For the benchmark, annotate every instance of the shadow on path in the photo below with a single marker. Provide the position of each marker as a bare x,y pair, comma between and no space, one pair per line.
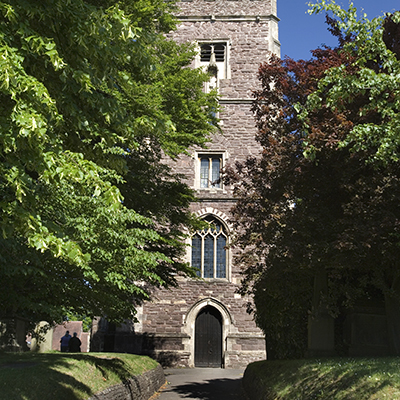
203,384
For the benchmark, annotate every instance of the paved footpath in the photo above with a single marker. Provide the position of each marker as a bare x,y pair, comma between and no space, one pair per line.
202,384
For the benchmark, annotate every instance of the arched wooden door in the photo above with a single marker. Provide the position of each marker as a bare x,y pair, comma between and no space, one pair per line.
208,338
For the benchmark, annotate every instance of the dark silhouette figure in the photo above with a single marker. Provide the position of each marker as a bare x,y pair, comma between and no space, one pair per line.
65,342
75,344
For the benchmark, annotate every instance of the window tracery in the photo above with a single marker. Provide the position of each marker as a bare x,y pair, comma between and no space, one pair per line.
209,253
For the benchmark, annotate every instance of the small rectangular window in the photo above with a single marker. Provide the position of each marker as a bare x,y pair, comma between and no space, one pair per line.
210,170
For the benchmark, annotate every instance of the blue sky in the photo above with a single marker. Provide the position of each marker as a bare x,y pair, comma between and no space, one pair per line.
300,32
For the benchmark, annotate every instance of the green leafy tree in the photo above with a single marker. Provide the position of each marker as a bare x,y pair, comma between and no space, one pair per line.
374,76
93,95
320,201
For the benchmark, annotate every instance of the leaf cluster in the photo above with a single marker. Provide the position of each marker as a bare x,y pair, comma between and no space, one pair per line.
368,85
93,95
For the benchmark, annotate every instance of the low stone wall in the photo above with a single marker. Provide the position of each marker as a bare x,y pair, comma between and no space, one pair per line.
140,387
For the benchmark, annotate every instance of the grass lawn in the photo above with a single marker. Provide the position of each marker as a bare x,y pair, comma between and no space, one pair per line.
65,376
337,378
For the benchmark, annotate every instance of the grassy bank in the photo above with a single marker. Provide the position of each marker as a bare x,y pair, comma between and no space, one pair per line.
64,376
338,379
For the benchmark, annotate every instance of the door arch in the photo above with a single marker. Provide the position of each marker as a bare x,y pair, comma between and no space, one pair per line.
208,338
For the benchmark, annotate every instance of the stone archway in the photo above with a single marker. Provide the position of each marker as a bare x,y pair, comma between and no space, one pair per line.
217,213
189,326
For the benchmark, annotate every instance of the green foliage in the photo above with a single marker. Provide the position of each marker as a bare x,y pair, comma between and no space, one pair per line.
319,197
92,96
281,297
374,74
86,321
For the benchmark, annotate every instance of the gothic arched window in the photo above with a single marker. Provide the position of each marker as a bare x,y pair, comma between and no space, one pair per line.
209,250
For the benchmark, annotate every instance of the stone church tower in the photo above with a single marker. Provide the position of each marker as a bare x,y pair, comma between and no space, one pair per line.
204,322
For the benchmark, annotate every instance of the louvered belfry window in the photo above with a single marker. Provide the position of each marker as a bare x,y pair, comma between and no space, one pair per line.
209,250
214,57
207,49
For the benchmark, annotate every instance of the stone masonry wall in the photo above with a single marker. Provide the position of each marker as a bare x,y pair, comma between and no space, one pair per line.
249,41
169,337
227,7
248,48
237,141
167,311
166,326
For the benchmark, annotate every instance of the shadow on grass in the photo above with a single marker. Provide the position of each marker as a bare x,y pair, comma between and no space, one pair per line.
50,376
105,365
345,385
342,379
213,389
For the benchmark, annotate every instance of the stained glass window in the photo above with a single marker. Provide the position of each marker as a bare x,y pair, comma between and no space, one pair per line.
209,250
196,253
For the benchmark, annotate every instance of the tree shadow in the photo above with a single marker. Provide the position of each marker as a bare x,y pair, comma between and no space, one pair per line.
212,389
105,365
333,382
41,377
322,379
